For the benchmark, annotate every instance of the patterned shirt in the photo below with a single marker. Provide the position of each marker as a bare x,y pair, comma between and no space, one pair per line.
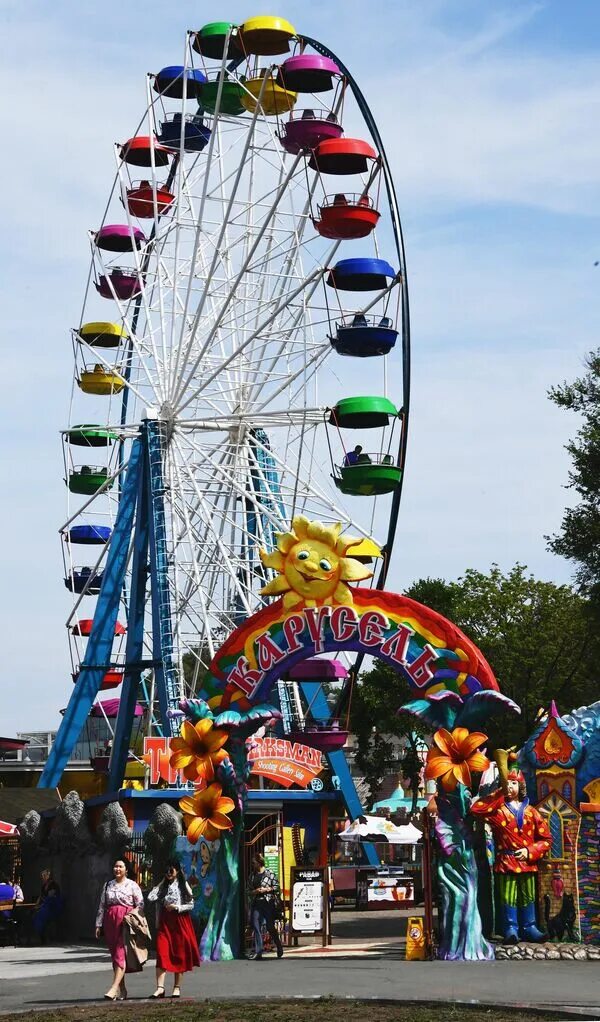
173,896
265,878
125,893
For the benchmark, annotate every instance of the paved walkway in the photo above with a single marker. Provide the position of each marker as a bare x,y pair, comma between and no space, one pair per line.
49,976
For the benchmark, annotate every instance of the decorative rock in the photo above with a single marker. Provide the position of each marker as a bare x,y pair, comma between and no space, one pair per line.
566,953
580,954
552,954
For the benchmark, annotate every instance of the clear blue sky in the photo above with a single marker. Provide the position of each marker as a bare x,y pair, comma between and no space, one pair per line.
490,113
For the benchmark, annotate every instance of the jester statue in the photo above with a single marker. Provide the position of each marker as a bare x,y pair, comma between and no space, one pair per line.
521,837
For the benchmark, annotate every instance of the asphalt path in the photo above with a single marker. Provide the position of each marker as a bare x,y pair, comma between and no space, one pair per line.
45,977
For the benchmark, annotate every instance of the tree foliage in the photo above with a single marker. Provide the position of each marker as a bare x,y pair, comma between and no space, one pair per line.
541,640
579,536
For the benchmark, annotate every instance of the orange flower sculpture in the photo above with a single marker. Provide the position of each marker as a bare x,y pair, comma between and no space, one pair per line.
204,815
454,756
198,750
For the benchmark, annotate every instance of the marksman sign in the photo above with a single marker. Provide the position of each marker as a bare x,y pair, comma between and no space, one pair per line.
284,762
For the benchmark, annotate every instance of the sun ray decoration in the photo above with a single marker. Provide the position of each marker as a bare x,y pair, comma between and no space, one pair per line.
312,569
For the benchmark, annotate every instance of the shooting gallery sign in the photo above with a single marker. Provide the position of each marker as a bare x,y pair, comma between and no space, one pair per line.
284,762
278,759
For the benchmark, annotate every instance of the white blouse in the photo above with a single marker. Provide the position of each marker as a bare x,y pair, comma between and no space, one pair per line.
173,896
127,893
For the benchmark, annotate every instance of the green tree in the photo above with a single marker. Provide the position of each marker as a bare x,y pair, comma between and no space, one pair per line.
540,639
579,537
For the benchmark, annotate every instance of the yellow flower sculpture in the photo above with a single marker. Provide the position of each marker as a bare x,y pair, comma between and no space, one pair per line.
204,815
455,756
312,567
198,750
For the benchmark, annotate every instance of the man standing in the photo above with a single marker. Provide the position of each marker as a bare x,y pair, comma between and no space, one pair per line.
521,837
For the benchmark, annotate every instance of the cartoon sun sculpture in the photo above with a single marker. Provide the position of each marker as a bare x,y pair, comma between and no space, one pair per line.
312,567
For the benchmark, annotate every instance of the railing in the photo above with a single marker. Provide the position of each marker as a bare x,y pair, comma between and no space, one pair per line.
348,199
360,320
364,459
312,114
89,470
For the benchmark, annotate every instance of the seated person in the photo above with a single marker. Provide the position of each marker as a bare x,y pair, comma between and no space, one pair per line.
352,457
7,893
49,905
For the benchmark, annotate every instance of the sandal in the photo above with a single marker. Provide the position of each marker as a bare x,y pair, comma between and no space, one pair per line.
176,992
159,992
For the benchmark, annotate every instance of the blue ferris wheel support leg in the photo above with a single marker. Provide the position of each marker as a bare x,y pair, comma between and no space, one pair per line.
99,646
166,674
338,763
135,639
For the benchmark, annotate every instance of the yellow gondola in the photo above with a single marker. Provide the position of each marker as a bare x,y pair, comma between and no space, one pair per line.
103,335
275,100
100,381
266,35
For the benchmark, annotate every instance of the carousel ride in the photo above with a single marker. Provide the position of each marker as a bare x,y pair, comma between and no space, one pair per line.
242,357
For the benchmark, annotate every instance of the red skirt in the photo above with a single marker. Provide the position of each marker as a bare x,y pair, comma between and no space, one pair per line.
176,943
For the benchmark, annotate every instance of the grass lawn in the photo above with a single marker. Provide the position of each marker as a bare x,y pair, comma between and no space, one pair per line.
322,1010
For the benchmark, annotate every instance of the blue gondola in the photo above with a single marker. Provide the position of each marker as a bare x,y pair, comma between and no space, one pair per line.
361,275
170,81
89,534
364,336
195,133
82,577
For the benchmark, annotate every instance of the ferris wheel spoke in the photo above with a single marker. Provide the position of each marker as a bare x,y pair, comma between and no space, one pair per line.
235,284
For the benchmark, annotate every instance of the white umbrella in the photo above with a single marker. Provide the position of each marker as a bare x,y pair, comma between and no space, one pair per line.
377,828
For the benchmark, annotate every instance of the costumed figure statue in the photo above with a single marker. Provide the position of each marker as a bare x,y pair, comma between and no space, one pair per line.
521,837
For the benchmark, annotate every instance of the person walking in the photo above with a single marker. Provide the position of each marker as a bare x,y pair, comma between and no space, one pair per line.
176,942
119,897
264,893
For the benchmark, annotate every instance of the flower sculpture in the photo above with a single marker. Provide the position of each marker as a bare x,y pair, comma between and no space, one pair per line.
198,750
205,814
312,567
455,756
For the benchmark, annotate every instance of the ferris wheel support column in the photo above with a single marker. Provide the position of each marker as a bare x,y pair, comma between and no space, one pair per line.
338,763
167,679
135,642
99,647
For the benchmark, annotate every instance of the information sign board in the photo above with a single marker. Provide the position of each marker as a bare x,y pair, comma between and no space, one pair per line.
309,899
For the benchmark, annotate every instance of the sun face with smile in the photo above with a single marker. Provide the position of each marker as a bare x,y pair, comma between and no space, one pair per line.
312,567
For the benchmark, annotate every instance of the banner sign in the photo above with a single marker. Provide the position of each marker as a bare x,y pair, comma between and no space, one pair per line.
285,762
280,760
427,649
157,753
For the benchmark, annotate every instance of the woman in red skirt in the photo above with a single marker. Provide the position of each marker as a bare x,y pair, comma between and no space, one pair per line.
176,941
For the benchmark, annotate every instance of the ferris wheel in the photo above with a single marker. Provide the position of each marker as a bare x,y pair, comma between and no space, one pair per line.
242,357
